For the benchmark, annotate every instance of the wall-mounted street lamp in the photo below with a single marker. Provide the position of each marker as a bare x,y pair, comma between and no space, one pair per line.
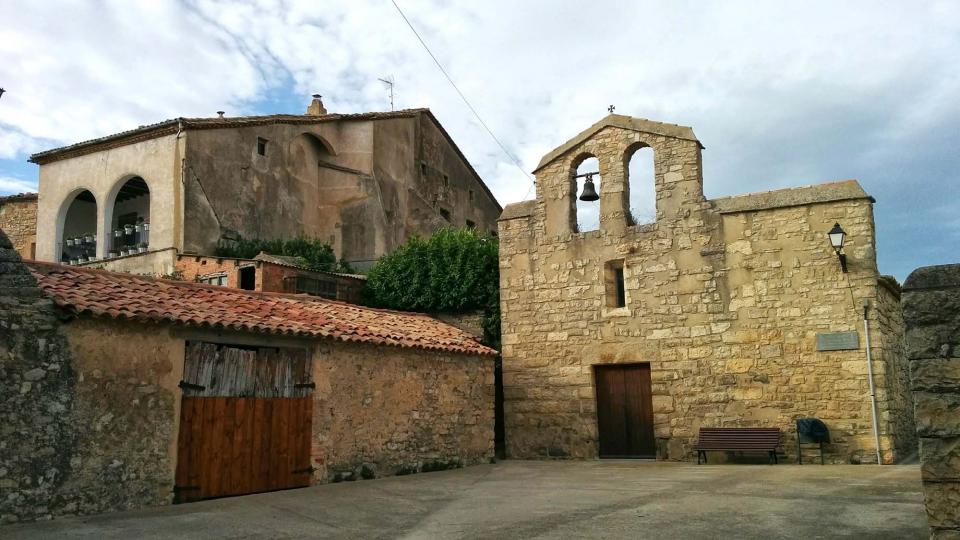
837,235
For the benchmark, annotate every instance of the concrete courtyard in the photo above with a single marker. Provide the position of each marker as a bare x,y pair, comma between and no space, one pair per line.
523,499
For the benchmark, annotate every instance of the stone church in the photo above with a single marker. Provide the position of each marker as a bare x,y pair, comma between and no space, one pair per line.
361,182
728,312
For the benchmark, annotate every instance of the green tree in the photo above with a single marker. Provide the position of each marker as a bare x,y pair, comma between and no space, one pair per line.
454,271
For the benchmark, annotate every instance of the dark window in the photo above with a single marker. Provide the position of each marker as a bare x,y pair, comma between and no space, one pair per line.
615,288
471,195
471,225
445,214
261,146
493,234
446,181
423,168
248,278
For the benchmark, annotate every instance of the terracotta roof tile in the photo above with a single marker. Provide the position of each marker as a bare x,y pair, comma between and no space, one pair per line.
126,296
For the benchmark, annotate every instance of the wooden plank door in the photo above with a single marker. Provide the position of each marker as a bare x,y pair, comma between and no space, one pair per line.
625,411
245,421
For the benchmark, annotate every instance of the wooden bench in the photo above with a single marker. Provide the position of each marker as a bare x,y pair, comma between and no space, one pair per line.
738,439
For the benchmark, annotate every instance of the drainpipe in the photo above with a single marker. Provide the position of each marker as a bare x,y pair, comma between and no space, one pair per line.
873,390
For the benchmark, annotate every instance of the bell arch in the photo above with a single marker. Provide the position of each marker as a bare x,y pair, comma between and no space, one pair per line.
585,178
639,166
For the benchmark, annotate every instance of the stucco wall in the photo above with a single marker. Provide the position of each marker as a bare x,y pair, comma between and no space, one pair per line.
18,219
931,308
724,303
103,173
397,411
126,409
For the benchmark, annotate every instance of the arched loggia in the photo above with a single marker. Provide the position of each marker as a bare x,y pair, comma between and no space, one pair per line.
129,218
77,228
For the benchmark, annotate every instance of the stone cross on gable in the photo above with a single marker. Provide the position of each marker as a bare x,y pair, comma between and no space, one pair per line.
611,108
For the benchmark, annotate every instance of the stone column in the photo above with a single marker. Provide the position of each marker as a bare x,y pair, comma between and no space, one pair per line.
931,309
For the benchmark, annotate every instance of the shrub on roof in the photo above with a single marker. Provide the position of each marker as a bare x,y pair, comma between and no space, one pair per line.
454,271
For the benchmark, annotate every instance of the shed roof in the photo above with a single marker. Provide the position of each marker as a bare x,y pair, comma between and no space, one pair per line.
84,291
18,197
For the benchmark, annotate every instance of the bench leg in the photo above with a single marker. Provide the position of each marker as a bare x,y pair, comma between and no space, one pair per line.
821,452
773,457
799,451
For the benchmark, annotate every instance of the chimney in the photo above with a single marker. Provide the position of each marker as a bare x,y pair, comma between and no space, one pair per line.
316,107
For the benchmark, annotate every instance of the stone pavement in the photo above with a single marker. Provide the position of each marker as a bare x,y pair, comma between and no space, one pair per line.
542,499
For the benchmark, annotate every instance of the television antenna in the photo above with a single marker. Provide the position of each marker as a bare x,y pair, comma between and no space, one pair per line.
389,82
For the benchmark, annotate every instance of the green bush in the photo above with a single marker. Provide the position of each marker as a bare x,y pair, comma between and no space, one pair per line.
454,271
315,254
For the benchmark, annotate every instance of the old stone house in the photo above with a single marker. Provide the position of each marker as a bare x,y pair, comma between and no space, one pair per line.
735,311
18,218
362,182
121,391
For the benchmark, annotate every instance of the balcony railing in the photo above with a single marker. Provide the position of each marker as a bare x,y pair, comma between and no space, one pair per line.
129,239
79,249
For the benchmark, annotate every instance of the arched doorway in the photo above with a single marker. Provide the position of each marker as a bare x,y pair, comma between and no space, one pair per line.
78,233
130,219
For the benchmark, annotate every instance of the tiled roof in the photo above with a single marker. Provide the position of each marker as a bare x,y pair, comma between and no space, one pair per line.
165,127
818,193
100,293
18,197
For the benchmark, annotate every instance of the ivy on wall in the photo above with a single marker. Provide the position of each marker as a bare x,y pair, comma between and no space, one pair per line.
315,254
454,271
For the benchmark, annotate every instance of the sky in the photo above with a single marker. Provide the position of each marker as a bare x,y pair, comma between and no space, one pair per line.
782,94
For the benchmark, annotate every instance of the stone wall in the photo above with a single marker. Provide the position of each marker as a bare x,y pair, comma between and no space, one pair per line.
380,411
18,219
724,298
36,397
931,308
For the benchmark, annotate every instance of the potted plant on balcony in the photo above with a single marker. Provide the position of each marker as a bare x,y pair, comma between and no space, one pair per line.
141,247
88,238
128,229
112,253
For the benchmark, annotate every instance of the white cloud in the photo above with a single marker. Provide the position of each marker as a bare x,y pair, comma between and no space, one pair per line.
16,185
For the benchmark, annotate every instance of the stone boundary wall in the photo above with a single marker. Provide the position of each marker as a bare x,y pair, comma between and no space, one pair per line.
931,310
36,397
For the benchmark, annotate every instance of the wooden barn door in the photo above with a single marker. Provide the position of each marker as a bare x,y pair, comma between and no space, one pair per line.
245,421
625,411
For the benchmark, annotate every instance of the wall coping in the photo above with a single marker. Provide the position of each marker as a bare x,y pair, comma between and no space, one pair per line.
941,276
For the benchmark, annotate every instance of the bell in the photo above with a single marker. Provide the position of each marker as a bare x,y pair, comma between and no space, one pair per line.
589,192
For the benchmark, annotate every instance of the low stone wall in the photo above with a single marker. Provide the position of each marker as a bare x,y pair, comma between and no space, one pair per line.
36,397
931,310
380,411
161,262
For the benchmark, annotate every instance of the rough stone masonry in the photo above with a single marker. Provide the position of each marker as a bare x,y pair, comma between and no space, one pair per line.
724,300
931,309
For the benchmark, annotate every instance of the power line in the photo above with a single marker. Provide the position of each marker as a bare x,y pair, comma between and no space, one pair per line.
463,97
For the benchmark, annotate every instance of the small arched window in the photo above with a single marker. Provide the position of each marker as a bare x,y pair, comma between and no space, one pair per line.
641,185
588,212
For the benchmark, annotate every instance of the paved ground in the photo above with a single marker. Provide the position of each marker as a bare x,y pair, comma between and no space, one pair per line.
521,499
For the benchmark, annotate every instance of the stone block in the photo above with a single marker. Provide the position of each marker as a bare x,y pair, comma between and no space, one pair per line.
940,459
938,415
934,341
935,374
943,504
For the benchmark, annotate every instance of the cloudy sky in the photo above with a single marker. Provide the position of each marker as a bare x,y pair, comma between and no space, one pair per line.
781,93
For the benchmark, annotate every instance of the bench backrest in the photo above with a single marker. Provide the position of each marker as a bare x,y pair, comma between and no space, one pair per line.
739,438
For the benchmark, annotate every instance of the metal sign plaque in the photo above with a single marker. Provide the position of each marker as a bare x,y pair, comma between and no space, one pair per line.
838,341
